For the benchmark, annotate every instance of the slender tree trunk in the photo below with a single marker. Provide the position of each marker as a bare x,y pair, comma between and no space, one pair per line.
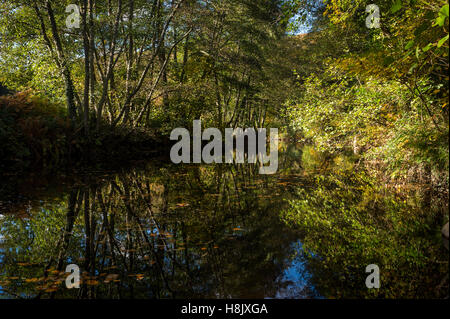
87,68
69,87
92,79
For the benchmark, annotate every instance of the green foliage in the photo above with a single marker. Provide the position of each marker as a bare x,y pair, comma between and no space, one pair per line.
381,93
335,110
415,146
349,221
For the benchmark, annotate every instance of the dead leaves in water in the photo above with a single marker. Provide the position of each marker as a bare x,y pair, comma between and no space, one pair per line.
32,280
24,264
139,277
111,278
51,289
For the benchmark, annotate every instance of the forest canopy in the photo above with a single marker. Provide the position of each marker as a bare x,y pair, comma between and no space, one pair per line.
155,65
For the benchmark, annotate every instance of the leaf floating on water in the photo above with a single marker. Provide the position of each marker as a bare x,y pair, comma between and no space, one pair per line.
139,277
111,267
24,264
51,289
111,277
32,280
283,183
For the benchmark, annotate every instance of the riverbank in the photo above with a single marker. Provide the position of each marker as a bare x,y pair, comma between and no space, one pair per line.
35,133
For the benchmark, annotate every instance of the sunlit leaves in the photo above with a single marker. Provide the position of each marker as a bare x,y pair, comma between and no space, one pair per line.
443,15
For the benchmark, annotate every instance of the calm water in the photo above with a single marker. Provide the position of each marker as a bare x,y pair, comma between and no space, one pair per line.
158,230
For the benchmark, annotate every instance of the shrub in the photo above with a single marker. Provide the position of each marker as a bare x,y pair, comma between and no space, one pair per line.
31,129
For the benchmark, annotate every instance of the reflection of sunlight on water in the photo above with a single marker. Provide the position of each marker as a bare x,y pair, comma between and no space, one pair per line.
295,280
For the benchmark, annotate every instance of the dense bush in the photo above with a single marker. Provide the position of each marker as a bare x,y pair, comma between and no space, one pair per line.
382,93
31,129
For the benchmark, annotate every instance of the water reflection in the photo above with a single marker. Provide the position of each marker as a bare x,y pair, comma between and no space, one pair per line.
160,230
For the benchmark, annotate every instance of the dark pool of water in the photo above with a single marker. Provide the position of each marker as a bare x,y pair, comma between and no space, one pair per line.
159,230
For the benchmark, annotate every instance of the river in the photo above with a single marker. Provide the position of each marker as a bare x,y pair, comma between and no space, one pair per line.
153,229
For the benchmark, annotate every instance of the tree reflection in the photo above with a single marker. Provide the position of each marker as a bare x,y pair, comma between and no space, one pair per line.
158,232
349,221
224,231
